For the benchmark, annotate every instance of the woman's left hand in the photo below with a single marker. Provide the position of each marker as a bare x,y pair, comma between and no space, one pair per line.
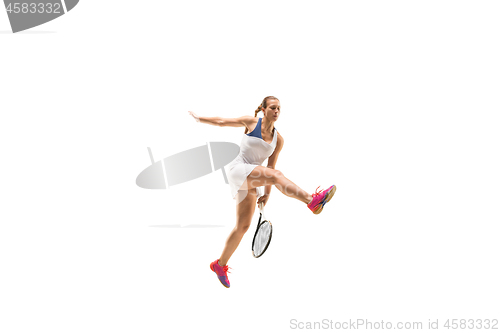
195,116
263,199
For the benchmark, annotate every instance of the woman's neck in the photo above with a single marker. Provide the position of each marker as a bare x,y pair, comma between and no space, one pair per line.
267,126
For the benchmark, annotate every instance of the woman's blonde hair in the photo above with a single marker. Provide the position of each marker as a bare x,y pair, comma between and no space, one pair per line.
263,105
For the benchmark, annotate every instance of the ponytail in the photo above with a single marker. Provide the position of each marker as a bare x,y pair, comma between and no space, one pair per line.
258,109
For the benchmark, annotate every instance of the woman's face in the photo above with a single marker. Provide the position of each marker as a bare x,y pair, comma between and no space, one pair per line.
273,109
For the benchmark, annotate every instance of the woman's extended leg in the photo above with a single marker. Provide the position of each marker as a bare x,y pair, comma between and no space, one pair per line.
261,176
244,213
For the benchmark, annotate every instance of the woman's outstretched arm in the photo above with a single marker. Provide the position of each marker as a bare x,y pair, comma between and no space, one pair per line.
243,121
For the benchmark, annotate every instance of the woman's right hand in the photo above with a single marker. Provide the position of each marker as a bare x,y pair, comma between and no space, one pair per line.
194,116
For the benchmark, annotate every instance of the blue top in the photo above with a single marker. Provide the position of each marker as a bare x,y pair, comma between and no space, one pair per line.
257,130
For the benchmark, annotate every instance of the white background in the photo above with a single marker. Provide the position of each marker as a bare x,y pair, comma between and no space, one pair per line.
395,102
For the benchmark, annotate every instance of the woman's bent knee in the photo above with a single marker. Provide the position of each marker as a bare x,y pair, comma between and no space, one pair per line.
276,175
242,228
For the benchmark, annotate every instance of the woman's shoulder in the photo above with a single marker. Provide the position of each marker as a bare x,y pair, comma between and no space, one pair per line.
280,139
250,122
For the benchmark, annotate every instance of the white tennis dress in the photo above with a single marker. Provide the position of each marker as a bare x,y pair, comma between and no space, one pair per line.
253,151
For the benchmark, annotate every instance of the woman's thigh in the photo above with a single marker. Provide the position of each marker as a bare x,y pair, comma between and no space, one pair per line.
260,176
245,208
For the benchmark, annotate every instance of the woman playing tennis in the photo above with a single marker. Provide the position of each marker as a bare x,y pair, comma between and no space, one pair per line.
246,173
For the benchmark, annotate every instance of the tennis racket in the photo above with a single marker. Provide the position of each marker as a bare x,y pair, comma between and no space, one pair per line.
263,234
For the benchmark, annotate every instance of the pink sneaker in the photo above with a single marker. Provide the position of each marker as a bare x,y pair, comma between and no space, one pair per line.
321,198
221,272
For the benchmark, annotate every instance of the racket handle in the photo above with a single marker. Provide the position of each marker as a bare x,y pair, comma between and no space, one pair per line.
261,207
261,204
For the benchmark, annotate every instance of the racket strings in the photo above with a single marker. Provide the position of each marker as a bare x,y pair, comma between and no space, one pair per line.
262,239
